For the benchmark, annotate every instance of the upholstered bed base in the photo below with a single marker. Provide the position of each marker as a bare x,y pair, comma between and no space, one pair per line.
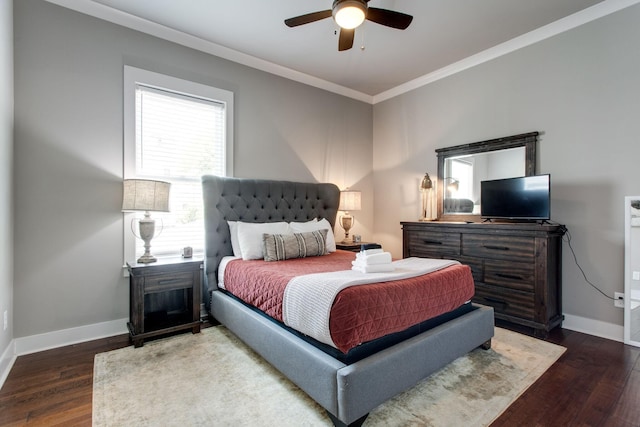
350,392
347,392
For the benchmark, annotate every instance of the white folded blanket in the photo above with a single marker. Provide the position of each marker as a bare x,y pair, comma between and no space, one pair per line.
374,268
377,258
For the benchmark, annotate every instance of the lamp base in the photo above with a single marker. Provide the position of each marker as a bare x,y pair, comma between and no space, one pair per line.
147,259
346,222
147,228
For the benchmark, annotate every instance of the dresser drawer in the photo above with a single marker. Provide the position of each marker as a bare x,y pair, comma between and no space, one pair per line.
161,283
499,247
434,244
510,274
505,301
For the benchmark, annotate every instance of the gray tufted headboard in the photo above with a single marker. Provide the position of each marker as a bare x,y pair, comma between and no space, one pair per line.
255,200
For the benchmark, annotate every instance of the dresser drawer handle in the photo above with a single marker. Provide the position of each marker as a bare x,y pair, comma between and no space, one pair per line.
497,248
432,242
169,281
509,276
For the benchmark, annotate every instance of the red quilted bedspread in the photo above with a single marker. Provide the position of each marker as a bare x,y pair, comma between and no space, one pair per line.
359,313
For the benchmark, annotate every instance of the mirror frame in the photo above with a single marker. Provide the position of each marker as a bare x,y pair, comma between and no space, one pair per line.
526,140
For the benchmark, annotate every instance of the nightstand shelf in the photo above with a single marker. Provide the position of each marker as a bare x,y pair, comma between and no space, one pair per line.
151,289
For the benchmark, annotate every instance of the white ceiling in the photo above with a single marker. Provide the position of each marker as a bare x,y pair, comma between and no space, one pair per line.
445,35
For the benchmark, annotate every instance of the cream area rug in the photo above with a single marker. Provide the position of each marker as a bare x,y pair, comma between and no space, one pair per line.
213,379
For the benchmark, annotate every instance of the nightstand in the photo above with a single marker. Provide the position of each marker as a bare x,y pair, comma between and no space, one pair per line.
348,246
164,297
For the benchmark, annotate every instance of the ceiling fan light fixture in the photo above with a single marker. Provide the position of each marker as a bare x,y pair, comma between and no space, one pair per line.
349,14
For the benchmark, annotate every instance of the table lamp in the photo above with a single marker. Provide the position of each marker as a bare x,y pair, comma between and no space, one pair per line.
145,195
349,201
426,195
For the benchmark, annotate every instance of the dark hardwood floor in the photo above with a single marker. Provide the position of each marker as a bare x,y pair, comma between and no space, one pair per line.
595,383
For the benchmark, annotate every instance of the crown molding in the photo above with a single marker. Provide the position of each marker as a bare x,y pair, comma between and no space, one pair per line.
106,13
100,11
585,16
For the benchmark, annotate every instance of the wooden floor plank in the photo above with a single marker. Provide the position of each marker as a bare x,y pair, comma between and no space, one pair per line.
53,387
627,406
595,383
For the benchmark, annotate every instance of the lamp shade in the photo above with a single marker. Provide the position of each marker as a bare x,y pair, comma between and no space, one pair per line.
454,185
350,200
426,183
145,195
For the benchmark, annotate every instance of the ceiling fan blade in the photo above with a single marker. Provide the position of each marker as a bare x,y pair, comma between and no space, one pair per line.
308,18
345,41
389,18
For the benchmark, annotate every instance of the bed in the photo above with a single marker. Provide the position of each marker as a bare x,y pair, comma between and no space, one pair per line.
347,389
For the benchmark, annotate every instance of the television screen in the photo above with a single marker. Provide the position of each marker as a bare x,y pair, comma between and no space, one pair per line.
525,198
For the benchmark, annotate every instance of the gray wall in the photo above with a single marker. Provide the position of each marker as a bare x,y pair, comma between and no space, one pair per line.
6,146
68,153
581,90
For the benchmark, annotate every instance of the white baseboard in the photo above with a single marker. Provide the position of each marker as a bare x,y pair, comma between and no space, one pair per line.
6,362
35,343
55,339
597,328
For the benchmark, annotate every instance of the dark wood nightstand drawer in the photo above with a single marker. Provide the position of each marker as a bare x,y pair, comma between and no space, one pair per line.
434,244
499,247
508,302
509,274
164,282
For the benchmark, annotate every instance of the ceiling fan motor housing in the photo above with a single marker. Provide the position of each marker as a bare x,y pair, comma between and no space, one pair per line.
349,14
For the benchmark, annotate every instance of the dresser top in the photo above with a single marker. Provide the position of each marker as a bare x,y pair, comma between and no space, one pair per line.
486,227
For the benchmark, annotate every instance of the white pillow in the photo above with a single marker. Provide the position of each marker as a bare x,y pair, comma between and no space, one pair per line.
313,221
323,224
233,230
250,237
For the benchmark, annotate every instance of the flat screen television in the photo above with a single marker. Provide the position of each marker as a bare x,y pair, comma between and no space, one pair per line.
526,198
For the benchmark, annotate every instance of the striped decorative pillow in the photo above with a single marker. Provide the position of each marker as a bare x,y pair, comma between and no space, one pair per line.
278,247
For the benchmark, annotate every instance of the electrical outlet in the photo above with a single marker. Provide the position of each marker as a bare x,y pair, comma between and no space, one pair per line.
6,320
618,299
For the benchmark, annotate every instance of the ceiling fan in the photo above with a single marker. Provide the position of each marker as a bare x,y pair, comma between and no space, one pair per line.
349,14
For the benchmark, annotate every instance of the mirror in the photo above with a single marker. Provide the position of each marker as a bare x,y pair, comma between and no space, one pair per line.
463,167
632,271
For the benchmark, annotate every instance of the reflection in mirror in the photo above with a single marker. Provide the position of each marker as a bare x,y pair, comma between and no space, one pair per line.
464,173
462,168
632,271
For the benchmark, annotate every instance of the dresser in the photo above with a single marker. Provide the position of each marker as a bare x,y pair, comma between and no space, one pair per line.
517,267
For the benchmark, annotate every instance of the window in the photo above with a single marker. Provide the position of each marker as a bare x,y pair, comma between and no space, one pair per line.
175,131
462,171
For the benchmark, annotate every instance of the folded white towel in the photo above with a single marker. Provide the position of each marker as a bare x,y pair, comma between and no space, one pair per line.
370,252
376,268
378,258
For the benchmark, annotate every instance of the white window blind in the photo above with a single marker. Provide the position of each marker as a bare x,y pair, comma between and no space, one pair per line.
179,138
175,131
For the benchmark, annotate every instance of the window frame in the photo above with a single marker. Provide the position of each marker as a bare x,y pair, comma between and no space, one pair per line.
134,76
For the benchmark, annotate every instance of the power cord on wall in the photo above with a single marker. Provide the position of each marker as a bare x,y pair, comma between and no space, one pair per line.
575,258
